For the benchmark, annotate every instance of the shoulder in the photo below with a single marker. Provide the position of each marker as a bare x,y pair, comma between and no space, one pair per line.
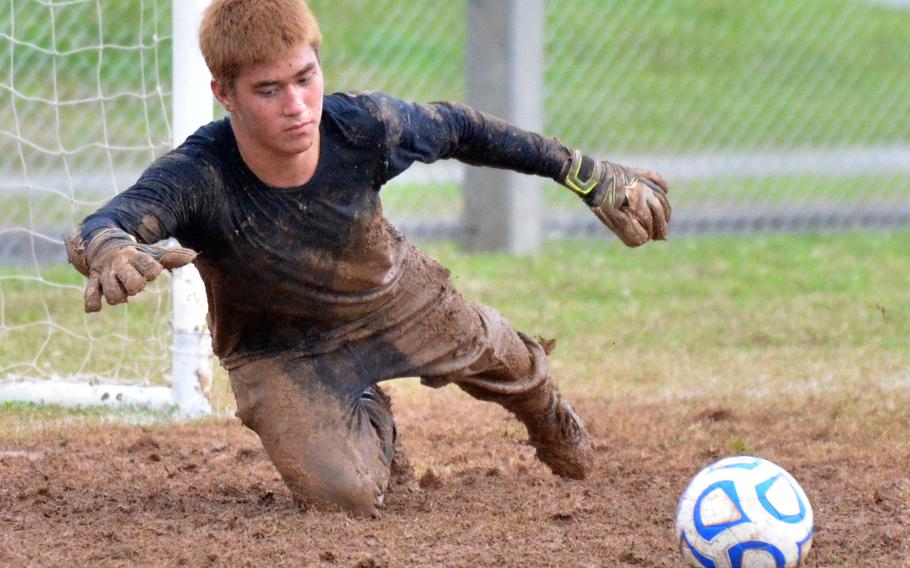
195,159
356,103
361,116
203,147
210,139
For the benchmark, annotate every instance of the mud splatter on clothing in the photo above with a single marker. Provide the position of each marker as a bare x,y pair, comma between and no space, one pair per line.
314,296
307,268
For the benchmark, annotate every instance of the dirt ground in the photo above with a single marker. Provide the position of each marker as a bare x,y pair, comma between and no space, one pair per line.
205,494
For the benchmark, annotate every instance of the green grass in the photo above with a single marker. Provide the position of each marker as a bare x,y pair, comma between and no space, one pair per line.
44,331
708,314
621,76
20,422
686,318
677,74
413,49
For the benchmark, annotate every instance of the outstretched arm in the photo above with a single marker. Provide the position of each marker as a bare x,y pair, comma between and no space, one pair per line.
632,203
117,266
113,246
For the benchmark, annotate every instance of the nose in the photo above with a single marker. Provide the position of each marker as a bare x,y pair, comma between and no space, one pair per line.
294,104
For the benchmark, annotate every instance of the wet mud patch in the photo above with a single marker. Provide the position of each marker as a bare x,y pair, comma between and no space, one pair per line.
205,494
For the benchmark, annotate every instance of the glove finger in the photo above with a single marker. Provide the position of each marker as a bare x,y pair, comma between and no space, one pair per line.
147,266
653,178
665,204
660,219
131,280
634,234
171,258
110,285
657,190
93,293
640,209
624,226
604,219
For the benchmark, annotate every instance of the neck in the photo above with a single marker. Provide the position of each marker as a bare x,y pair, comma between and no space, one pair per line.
278,169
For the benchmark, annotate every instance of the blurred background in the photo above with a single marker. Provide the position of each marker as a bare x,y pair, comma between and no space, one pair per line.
780,115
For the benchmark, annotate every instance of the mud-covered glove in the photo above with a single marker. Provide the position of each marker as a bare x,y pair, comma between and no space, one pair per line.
630,202
117,266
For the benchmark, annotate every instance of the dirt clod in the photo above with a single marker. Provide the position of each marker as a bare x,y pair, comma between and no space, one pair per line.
429,479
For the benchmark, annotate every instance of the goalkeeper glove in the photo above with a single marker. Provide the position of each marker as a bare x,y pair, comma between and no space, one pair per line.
117,266
630,202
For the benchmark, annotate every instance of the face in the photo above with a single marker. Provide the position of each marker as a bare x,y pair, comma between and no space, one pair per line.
276,107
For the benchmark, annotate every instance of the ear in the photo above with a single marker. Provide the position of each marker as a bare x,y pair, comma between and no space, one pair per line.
223,94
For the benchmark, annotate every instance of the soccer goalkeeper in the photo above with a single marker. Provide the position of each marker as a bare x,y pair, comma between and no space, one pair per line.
314,297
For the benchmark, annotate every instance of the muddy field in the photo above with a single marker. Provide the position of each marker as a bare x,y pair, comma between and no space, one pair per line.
204,494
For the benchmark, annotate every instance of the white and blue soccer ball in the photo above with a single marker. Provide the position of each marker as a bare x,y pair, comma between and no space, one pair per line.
744,512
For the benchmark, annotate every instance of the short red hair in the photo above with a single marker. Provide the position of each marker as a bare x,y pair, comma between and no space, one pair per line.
235,33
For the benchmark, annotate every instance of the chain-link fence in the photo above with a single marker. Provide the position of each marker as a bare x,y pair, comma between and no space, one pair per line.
786,114
782,114
789,114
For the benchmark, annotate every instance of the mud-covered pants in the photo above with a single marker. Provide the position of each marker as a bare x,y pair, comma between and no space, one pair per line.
331,433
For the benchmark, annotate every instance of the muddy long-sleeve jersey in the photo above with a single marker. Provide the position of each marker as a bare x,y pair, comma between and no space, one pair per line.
307,268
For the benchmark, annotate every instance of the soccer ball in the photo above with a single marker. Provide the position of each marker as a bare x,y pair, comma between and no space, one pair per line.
744,512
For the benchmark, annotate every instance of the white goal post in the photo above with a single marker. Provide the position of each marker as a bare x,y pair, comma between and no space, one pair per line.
30,343
192,358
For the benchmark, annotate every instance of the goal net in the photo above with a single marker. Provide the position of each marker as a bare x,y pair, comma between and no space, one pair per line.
87,99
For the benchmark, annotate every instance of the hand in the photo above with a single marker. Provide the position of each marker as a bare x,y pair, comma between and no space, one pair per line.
117,267
633,205
630,202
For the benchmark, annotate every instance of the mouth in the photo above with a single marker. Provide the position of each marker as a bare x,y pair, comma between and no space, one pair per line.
299,127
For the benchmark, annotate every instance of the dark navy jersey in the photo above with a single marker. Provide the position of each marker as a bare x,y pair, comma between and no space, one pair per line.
309,267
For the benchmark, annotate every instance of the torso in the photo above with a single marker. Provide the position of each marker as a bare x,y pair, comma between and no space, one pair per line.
303,268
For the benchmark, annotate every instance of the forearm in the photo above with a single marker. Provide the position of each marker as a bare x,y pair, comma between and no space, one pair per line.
133,214
485,140
138,216
116,263
166,198
630,202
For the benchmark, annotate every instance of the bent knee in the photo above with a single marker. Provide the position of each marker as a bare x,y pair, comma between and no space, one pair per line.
359,495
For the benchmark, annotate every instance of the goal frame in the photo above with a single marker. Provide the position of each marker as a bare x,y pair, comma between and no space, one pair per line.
192,360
